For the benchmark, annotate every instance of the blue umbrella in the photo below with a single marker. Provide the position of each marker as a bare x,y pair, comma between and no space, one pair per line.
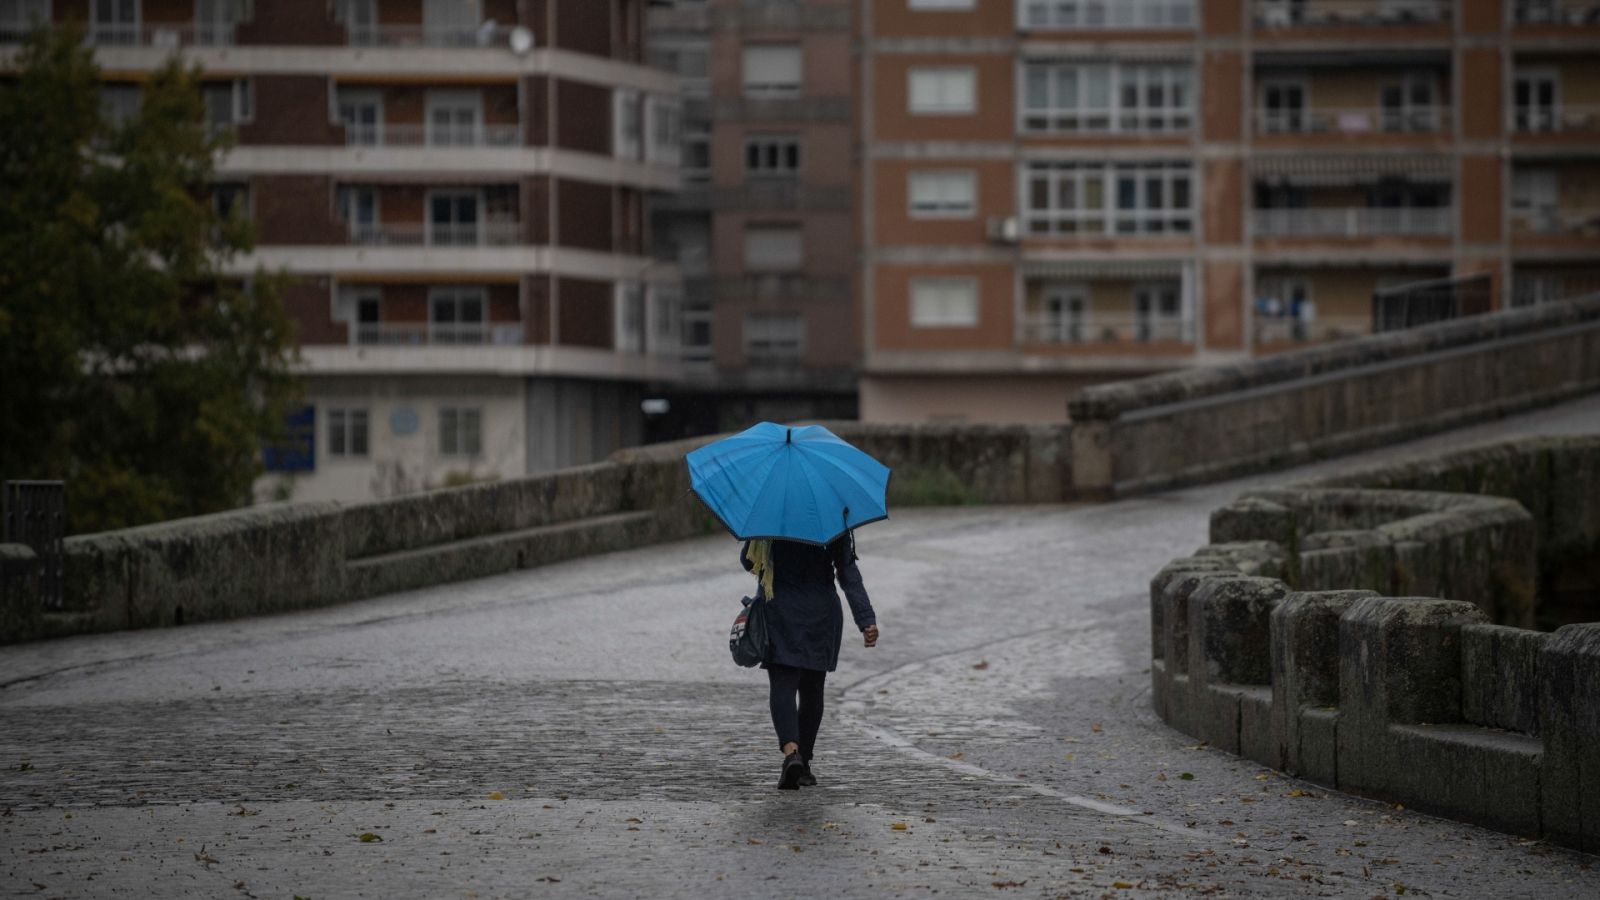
795,484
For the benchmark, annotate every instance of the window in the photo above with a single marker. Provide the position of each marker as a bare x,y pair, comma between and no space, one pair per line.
772,156
114,21
1536,101
455,118
368,305
460,431
358,209
453,218
1535,198
1073,97
1410,104
941,4
361,114
1098,198
1283,107
666,314
942,91
455,316
942,194
214,20
774,337
771,248
1158,311
666,131
347,432
1106,13
944,303
119,102
451,23
629,318
227,103
1063,315
772,70
360,19
17,18
625,121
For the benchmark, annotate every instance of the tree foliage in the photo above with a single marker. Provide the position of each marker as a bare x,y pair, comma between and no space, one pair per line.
130,365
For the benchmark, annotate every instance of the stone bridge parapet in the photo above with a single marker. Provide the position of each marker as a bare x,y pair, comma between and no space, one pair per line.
1379,639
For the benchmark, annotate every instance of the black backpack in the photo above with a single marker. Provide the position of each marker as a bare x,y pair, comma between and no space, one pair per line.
748,640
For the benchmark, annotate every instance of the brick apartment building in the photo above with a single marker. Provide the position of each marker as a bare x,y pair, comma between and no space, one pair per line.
459,187
764,230
1063,191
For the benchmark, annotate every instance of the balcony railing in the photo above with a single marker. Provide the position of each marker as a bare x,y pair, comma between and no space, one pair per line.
1556,12
432,136
1557,221
454,234
1292,330
1546,120
485,35
1044,328
1370,120
1275,14
417,334
166,35
1355,222
1105,14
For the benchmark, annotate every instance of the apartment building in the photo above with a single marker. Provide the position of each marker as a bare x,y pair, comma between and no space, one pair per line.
459,188
1057,192
764,229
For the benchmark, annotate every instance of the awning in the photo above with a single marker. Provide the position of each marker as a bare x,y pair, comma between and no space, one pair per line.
1107,269
1355,169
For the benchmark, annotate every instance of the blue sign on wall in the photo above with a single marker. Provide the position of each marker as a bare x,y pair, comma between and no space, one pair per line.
297,451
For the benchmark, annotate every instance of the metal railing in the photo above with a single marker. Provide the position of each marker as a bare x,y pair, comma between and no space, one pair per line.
1353,222
1531,288
1105,14
454,234
1288,329
1276,14
417,334
485,35
1370,120
1557,221
149,34
35,514
1093,328
1556,12
1541,120
500,135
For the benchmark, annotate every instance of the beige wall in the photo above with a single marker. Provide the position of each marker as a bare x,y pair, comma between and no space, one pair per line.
996,399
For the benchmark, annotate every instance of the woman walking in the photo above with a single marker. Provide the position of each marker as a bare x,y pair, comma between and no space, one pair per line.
805,626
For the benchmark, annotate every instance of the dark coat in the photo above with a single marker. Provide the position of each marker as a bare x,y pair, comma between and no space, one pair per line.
804,621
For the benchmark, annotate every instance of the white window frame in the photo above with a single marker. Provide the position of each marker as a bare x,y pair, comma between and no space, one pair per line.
355,98
1173,220
347,209
1149,321
942,105
452,29
764,341
479,222
1107,14
924,317
764,90
751,229
1078,114
14,29
349,301
455,295
450,99
1533,118
453,421
940,5
663,124
627,125
780,141
125,33
241,100
630,317
339,422
936,200
663,317
1410,116
1284,120
215,21
1064,316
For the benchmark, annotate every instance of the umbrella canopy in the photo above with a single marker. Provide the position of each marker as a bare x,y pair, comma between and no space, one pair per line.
795,484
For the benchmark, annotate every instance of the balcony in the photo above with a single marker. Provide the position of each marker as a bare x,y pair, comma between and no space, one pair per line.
1564,120
367,135
455,234
1271,15
161,35
1557,222
1103,15
1056,329
486,35
1289,330
1556,12
1353,122
1354,222
417,334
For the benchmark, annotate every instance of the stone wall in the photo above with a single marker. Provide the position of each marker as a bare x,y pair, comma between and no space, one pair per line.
1207,424
294,556
1365,638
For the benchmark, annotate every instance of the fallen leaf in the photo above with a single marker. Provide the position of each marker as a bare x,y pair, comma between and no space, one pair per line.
981,665
1123,885
634,821
496,795
1187,776
1095,728
958,754
368,837
1009,884
898,826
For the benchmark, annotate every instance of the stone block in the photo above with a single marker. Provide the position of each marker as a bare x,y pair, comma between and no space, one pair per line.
1230,632
1465,772
1399,664
1500,677
1346,560
1255,726
1569,727
1253,519
1304,642
1316,749
20,604
1264,558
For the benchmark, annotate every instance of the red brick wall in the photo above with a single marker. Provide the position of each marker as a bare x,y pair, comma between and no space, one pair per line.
302,22
583,114
584,316
307,302
584,26
295,209
291,109
584,215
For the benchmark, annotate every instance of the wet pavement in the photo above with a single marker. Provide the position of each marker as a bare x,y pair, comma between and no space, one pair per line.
580,730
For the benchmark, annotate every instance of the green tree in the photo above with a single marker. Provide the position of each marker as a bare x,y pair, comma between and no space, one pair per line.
130,364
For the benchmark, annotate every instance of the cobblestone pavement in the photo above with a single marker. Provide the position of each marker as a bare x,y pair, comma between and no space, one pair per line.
578,730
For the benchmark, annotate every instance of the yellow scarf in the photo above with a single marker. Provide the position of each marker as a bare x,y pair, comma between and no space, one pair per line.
760,555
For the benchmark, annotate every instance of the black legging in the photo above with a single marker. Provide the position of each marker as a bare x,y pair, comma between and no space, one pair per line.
799,726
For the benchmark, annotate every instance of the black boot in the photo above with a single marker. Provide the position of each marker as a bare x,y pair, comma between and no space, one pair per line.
793,768
806,778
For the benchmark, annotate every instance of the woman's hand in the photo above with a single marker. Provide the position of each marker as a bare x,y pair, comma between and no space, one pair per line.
870,635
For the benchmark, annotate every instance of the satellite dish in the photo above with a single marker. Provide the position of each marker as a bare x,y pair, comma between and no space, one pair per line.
521,39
